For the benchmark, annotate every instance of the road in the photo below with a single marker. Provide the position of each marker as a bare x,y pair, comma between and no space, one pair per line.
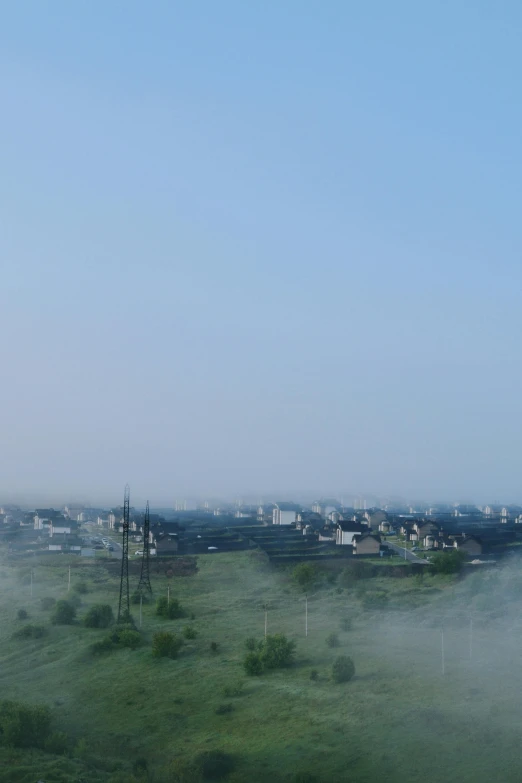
406,553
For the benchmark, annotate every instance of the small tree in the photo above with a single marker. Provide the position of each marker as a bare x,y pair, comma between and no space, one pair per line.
305,575
22,614
277,651
24,725
30,632
214,647
253,664
166,645
171,610
252,644
63,613
189,632
343,669
99,616
447,562
81,588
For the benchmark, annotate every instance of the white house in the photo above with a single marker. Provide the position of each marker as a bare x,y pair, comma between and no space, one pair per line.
285,514
347,532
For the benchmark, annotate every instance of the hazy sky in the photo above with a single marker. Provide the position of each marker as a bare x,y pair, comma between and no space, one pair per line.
261,246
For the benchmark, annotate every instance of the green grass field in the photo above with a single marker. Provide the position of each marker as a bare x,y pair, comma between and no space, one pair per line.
399,719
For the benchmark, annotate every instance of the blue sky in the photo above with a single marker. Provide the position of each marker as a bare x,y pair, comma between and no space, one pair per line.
260,247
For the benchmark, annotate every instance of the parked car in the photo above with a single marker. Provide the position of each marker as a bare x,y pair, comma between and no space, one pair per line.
139,553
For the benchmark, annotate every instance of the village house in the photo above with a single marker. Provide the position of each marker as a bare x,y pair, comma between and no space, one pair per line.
43,517
62,526
347,531
375,517
367,544
285,513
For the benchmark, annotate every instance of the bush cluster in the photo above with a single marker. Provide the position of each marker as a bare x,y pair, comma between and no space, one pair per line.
343,669
171,610
120,636
24,725
274,652
63,613
447,562
99,616
304,574
166,645
189,632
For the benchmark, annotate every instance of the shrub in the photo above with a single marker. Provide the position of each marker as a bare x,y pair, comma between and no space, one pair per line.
304,574
24,725
447,562
215,764
354,572
332,640
343,669
214,647
314,675
129,638
104,645
253,664
99,616
57,743
277,651
189,632
81,588
252,644
30,632
47,603
63,613
346,624
237,689
170,610
166,645
22,614
223,709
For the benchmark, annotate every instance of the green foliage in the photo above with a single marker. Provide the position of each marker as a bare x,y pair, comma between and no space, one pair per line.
170,610
223,709
24,725
166,645
30,632
75,600
105,645
304,777
343,669
355,571
304,574
277,651
314,675
253,664
128,638
99,616
181,771
63,613
447,562
274,652
57,742
22,614
214,647
346,623
235,690
332,640
140,766
215,764
189,632
47,603
374,599
81,588
252,644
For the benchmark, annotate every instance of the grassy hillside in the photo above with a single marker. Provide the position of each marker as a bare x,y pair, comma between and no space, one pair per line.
400,719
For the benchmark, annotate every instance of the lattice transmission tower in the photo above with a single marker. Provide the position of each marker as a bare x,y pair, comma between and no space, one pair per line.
124,603
144,583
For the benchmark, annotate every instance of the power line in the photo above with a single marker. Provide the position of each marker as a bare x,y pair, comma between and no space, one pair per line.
124,602
144,583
